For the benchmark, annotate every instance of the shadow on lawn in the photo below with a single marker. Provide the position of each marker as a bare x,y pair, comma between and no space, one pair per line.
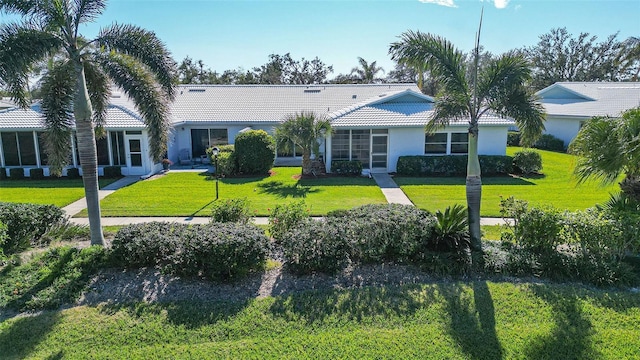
22,335
571,335
282,190
487,180
472,323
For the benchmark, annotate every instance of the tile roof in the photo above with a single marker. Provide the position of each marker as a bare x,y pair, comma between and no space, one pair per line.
270,103
587,99
6,103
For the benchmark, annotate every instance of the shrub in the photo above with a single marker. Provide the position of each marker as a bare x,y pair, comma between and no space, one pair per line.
27,223
36,174
16,173
4,237
316,246
73,173
231,210
549,142
112,171
451,230
513,138
255,152
3,173
219,251
451,165
533,228
227,164
527,161
344,167
285,217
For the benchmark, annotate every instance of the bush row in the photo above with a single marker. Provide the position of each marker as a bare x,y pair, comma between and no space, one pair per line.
38,173
545,142
252,154
27,223
345,167
217,251
451,165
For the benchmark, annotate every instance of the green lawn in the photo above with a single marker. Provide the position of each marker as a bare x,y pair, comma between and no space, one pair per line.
192,194
556,187
458,320
59,192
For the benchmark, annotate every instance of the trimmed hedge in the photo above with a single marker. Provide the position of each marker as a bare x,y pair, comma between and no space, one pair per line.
73,173
527,162
451,165
217,251
36,174
513,138
549,142
345,167
227,162
16,173
255,152
3,173
27,223
112,171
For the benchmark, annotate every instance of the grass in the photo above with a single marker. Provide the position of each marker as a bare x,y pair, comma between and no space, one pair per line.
556,187
491,232
59,192
192,194
456,320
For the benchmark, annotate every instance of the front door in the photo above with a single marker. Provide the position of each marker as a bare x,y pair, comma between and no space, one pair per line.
135,155
379,150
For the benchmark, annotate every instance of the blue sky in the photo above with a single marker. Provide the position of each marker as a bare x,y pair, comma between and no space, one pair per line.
231,34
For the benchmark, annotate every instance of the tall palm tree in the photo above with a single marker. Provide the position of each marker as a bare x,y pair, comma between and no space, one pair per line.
366,73
76,86
498,87
608,147
304,129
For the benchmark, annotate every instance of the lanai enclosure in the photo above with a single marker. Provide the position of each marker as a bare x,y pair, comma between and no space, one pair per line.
374,124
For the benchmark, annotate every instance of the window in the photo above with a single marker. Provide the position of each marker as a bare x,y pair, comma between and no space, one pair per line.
19,148
435,143
102,147
446,143
201,139
10,149
360,146
340,145
356,145
44,157
459,143
117,148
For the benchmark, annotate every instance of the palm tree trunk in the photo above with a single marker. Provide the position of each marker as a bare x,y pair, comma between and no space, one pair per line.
306,162
474,192
88,155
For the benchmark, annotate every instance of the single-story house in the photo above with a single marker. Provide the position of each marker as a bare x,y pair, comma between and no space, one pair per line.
569,104
372,123
6,103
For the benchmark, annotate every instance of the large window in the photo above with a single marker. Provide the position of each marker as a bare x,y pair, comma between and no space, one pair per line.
446,143
356,145
201,139
360,146
117,148
340,145
44,158
19,148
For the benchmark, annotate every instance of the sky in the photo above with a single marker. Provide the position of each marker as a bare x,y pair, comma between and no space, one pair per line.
228,34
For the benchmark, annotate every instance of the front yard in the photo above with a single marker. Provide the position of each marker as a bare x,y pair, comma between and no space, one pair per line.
556,187
59,192
193,194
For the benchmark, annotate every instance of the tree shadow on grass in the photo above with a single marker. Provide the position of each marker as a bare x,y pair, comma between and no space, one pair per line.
233,180
282,190
486,180
20,336
472,322
571,336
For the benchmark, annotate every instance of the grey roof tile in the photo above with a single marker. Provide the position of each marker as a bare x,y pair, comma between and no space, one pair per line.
609,98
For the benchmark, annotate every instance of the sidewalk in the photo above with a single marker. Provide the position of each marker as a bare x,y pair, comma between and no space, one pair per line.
390,189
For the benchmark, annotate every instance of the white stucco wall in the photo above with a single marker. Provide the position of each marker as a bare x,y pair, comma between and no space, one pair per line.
404,141
492,140
565,128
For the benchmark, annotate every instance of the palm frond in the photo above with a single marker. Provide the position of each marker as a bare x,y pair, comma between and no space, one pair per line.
22,46
87,10
629,133
99,91
144,46
140,85
449,106
21,7
58,91
598,148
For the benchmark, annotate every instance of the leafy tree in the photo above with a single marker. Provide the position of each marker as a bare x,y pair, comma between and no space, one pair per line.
366,73
283,69
304,129
559,56
629,59
76,86
608,147
496,87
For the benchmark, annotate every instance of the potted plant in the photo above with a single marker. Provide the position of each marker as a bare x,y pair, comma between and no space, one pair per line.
166,163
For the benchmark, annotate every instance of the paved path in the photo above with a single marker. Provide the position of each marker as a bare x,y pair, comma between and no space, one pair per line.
390,189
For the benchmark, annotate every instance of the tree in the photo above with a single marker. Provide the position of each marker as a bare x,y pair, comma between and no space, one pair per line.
283,69
629,59
366,73
559,56
76,86
304,129
609,147
497,87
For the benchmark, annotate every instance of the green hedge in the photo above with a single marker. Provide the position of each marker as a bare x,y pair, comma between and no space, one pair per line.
451,165
549,142
255,152
3,173
227,162
73,173
16,173
27,223
345,167
36,174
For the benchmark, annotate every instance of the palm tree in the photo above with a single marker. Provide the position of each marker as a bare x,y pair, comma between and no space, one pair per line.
498,87
76,86
304,130
609,147
366,73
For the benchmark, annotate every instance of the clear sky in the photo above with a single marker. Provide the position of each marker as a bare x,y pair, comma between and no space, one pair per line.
240,33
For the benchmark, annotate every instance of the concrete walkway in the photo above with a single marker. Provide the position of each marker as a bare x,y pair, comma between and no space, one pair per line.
390,189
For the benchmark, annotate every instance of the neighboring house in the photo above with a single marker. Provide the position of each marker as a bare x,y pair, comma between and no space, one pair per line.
372,123
569,104
6,103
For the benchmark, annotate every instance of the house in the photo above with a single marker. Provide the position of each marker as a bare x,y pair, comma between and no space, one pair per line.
569,104
6,103
372,123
